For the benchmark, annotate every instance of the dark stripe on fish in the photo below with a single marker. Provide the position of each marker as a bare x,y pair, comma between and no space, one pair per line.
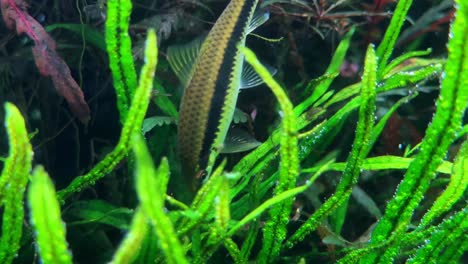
223,80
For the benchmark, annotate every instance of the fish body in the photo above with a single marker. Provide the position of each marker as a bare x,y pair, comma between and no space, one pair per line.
210,96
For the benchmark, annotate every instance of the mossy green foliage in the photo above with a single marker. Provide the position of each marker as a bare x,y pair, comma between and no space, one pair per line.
248,213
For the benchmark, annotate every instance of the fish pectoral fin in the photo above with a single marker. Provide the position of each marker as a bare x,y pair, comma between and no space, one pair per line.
238,140
182,58
150,122
259,18
240,116
250,78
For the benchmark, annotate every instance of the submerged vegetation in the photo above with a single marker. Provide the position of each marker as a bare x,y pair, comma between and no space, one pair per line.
341,176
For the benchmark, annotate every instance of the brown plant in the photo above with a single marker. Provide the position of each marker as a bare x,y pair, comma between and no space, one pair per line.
48,62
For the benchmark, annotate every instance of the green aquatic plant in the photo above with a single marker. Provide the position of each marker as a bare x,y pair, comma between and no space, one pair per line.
440,134
132,125
249,213
13,181
275,228
119,49
152,200
45,217
357,155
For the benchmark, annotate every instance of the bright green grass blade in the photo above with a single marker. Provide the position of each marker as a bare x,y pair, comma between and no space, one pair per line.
454,251
275,227
379,127
358,153
332,71
162,100
277,199
337,219
451,105
203,203
386,162
99,212
13,182
149,250
385,49
119,48
130,246
222,211
253,163
455,189
402,58
450,233
149,183
233,250
132,124
18,162
222,218
46,219
401,79
91,35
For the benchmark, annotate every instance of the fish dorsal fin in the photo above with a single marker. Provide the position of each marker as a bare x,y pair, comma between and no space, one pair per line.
182,58
260,16
250,78
238,140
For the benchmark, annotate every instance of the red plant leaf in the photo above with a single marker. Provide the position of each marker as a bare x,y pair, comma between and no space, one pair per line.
47,60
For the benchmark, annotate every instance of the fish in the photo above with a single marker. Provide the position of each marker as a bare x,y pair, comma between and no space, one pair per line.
212,69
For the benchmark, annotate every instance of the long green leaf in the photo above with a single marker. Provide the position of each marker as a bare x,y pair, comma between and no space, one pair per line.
13,182
358,153
330,74
46,221
451,104
451,232
383,163
130,247
149,183
384,51
132,124
90,34
455,189
119,49
275,227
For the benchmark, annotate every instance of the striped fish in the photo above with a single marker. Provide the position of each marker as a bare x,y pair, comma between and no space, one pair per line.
212,84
